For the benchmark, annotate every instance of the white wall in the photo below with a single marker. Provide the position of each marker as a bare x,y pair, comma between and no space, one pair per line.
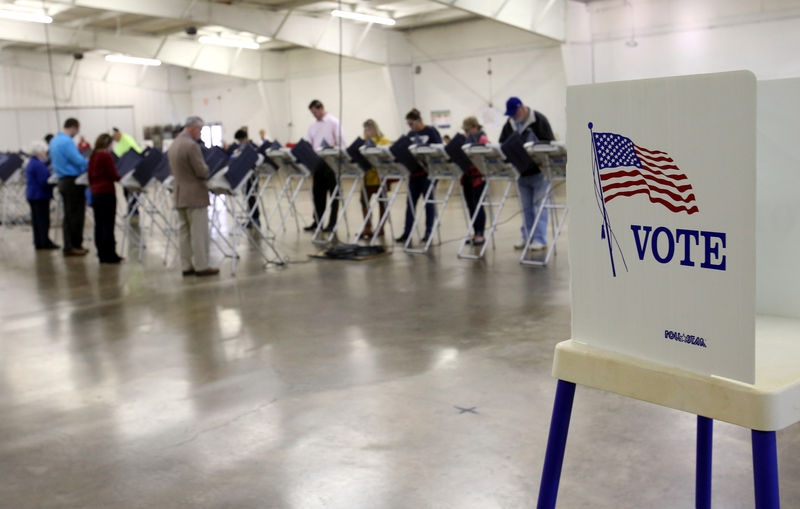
157,95
681,37
453,75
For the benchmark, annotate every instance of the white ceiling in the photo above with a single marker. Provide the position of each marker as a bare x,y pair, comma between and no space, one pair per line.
408,14
157,28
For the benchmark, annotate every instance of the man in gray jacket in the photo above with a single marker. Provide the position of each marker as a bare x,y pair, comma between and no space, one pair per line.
191,199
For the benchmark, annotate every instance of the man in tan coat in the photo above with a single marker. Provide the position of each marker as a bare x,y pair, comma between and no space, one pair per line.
191,199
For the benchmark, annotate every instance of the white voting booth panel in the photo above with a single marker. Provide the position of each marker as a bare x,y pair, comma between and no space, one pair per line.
778,208
662,237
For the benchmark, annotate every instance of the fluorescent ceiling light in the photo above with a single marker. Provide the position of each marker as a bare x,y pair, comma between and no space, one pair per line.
125,59
369,18
230,43
25,16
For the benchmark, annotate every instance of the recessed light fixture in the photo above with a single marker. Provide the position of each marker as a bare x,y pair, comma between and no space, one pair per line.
368,18
125,59
25,16
230,43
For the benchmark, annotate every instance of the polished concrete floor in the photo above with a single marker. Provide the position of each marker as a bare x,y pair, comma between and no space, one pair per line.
400,382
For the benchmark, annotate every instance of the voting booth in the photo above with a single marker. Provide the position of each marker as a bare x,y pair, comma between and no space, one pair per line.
669,303
389,170
349,176
440,168
295,174
13,206
231,185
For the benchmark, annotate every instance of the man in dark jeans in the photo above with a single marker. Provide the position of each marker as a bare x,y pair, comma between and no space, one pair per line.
68,164
326,130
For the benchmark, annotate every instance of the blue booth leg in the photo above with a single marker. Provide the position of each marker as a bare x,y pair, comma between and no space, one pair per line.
556,442
705,435
765,470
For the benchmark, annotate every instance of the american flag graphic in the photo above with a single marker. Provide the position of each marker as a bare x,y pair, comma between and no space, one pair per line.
627,169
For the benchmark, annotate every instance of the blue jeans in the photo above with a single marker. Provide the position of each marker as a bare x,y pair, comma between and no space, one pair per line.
531,193
418,186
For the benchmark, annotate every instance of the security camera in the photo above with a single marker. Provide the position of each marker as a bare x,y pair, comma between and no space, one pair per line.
191,30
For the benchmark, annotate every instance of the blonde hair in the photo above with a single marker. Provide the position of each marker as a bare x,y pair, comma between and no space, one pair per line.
371,124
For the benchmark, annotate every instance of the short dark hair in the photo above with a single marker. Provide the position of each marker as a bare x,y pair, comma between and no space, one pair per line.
115,129
414,114
240,134
316,104
71,122
48,137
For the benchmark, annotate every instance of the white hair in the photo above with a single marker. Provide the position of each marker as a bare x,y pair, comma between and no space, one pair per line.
194,122
37,147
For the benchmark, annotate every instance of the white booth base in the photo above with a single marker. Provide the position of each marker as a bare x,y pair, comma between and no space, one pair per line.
771,404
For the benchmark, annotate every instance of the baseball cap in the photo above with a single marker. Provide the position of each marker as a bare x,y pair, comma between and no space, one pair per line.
511,106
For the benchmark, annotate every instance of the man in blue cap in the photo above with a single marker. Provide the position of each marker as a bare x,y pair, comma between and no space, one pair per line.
531,126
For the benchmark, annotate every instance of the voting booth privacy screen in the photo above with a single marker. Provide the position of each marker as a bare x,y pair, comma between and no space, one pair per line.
778,208
662,191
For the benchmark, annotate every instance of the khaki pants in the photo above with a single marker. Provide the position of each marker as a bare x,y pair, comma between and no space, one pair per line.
193,237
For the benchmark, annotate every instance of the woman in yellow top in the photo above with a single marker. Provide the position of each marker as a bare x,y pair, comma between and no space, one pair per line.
372,181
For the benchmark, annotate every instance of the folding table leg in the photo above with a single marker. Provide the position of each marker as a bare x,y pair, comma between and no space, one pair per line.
556,443
765,470
705,435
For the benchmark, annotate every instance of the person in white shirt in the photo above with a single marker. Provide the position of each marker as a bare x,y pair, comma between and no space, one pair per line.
325,131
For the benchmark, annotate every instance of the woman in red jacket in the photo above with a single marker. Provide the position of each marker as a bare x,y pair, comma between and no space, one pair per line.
102,175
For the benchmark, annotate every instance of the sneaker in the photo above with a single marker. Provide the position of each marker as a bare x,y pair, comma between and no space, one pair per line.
478,241
537,246
207,272
519,245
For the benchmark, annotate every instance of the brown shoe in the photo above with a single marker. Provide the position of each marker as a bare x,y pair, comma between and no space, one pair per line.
75,252
207,272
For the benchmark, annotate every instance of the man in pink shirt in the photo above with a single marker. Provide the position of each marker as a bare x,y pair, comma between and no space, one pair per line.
325,131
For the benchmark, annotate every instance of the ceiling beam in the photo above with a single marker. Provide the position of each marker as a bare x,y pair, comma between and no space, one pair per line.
546,18
381,46
88,20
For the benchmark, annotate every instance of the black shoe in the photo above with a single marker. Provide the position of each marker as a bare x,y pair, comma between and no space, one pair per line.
425,238
112,261
328,229
48,247
310,228
401,239
189,272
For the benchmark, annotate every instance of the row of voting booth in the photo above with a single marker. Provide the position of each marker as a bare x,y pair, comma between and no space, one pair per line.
445,165
269,178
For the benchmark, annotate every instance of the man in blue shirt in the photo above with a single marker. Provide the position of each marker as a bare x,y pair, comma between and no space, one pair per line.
68,164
